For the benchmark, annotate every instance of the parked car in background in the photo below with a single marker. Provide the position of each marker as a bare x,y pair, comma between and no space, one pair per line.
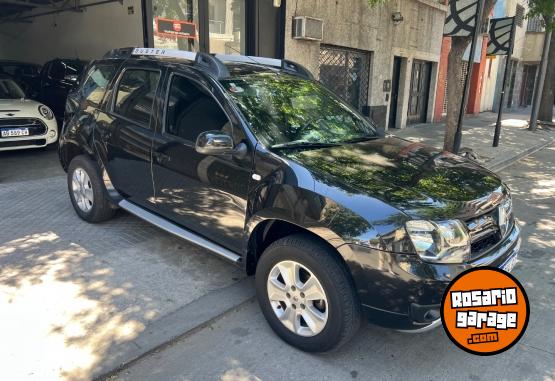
24,123
27,75
254,160
57,78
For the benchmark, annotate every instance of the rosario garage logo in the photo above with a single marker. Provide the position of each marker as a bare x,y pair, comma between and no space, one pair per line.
485,311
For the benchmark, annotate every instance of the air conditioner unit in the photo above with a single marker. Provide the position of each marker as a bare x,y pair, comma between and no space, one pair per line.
308,28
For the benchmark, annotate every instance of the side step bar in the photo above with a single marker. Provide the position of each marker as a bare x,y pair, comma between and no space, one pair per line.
179,231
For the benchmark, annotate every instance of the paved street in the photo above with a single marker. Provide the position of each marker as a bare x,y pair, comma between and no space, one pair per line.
241,346
78,300
72,293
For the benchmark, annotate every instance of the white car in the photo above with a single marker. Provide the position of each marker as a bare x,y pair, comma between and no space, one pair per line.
24,123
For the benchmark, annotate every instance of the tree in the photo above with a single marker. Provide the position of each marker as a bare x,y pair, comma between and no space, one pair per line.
546,10
455,88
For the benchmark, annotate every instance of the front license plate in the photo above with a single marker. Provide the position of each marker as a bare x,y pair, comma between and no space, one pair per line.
510,263
15,132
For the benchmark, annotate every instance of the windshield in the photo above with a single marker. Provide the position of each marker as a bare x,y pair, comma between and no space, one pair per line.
73,67
10,90
286,110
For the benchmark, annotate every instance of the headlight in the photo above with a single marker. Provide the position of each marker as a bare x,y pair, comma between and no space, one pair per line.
440,242
46,112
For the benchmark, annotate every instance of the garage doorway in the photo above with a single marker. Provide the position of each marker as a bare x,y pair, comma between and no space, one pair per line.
419,91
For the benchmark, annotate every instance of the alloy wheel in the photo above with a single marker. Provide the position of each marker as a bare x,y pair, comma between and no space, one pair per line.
82,189
297,298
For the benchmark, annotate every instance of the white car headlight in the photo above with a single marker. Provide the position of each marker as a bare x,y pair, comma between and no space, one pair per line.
440,242
46,112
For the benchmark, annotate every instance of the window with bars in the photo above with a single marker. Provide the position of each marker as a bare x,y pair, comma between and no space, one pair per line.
519,15
346,72
535,24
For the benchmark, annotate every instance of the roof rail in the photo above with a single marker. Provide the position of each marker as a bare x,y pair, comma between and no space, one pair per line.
202,60
118,53
212,63
286,65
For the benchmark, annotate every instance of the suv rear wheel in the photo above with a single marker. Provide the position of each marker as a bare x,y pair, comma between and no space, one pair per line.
87,192
306,294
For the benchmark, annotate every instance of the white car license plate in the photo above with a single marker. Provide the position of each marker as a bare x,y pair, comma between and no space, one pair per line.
15,132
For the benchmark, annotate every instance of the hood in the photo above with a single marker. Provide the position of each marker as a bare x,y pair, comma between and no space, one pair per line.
421,181
18,107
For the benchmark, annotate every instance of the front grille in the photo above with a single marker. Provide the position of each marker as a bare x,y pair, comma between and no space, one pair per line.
21,143
485,232
35,126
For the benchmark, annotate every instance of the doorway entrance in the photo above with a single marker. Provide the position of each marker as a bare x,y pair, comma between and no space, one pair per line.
419,91
394,92
528,82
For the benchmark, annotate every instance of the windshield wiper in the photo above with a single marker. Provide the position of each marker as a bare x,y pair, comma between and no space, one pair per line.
361,139
299,144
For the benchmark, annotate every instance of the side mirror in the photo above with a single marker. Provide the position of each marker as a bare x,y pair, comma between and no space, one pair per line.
214,143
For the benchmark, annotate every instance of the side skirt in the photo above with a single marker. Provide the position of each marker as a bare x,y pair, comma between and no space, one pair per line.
179,231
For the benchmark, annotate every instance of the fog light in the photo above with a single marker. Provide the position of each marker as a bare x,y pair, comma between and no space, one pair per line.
51,134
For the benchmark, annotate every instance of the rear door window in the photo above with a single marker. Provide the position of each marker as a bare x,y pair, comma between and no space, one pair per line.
135,95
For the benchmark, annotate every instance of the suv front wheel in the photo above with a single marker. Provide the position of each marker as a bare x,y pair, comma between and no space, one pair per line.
306,294
87,191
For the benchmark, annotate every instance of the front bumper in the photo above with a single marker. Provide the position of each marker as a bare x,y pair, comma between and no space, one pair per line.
33,141
403,292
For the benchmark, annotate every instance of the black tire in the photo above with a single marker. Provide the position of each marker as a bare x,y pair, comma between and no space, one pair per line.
102,208
344,310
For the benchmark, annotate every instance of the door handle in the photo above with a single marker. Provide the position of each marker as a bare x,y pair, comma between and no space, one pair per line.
162,157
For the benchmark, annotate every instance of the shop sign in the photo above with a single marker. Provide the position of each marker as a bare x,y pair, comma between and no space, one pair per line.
175,28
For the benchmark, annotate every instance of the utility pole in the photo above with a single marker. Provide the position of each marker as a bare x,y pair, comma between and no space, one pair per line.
538,88
466,89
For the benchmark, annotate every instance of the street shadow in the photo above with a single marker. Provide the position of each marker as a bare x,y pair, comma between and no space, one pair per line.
72,292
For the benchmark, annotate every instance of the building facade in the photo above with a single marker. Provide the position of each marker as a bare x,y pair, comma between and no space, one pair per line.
383,59
488,71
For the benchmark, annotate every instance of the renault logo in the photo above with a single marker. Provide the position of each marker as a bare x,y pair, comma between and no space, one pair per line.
491,201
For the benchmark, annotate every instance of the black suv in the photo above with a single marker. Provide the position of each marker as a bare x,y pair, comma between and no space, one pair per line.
57,78
257,162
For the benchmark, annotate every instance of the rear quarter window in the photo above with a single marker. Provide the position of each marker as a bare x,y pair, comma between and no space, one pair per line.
96,82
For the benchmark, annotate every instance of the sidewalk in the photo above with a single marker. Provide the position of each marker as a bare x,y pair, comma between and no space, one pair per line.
516,141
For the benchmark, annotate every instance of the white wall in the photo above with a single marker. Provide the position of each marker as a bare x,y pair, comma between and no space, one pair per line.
86,35
533,47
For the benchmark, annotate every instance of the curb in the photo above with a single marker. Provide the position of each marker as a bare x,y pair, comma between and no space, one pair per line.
174,326
499,166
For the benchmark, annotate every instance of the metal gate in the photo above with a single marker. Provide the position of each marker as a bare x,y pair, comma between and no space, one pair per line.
346,72
419,91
